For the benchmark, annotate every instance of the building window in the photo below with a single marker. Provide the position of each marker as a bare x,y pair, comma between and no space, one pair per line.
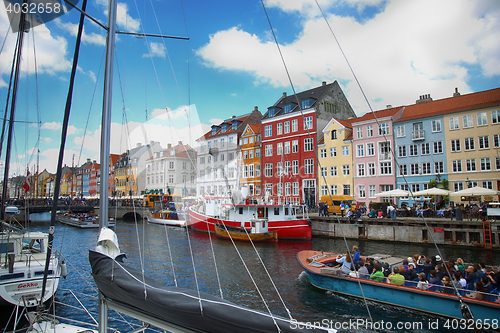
257,170
457,165
295,188
439,167
469,143
288,169
334,134
250,155
269,188
170,165
171,179
269,170
470,164
454,123
495,117
360,150
257,152
279,128
308,123
370,149
269,150
455,145
415,187
426,148
279,148
403,170
496,140
333,171
346,171
488,184
413,150
458,186
333,152
324,171
414,169
402,151
426,168
245,154
371,169
484,142
485,164
385,168
467,121
324,190
322,153
347,189
361,170
359,133
497,162
295,167
333,189
345,150
383,129
436,125
268,130
361,191
482,119
245,171
438,147
295,125
400,131
287,127
250,171
309,166
288,190
308,144
369,131
372,191
295,146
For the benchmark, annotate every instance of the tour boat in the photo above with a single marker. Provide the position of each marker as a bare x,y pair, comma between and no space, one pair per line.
83,221
168,217
290,221
258,233
430,301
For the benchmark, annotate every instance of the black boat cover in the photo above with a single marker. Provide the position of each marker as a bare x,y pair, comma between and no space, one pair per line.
180,306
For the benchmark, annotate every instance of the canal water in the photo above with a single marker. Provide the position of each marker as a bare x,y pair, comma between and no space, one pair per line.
149,243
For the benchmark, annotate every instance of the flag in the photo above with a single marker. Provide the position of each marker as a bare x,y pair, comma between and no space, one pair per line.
26,185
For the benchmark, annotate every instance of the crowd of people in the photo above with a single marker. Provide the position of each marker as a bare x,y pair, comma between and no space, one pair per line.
472,280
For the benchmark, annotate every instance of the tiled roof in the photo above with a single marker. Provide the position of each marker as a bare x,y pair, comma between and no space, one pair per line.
380,114
180,151
228,130
466,102
345,123
255,127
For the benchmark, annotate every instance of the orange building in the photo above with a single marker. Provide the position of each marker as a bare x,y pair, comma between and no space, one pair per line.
250,152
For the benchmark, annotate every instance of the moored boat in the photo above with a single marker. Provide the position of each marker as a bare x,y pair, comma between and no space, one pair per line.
407,296
168,217
83,221
258,233
289,221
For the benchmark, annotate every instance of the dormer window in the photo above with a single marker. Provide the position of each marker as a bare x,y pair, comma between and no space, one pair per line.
306,103
225,126
215,129
289,107
235,125
334,134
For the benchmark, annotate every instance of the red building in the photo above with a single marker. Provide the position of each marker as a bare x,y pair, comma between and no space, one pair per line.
94,180
290,133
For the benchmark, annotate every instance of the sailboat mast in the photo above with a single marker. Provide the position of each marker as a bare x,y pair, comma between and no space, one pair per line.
20,38
106,115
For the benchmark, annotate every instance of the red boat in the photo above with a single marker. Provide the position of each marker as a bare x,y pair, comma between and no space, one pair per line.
290,221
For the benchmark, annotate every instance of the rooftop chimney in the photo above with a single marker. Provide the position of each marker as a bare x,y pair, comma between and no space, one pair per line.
256,108
284,94
180,143
389,106
139,145
424,98
323,83
169,146
456,93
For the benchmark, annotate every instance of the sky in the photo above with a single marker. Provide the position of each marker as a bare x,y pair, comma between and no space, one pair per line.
168,90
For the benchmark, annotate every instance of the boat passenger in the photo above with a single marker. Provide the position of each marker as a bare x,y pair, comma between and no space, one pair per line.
405,264
427,267
356,256
471,277
460,265
488,286
435,279
396,277
480,291
440,272
447,286
494,276
369,264
422,282
377,274
363,271
346,262
420,263
411,275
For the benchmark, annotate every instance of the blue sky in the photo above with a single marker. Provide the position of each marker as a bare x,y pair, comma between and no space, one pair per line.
399,50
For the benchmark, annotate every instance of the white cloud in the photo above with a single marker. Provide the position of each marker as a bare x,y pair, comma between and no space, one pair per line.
156,50
93,38
397,55
123,19
215,121
90,74
55,126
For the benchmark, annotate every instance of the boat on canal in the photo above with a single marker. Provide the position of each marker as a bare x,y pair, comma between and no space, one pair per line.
288,220
258,233
430,301
168,217
82,220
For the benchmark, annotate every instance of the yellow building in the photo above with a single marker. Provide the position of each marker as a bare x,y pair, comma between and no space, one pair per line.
335,159
250,144
473,145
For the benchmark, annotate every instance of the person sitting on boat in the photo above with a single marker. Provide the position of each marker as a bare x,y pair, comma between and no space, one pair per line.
363,270
411,275
480,292
461,266
369,264
456,280
346,262
427,267
435,279
396,277
422,282
420,263
460,278
488,286
470,277
448,289
377,274
440,272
